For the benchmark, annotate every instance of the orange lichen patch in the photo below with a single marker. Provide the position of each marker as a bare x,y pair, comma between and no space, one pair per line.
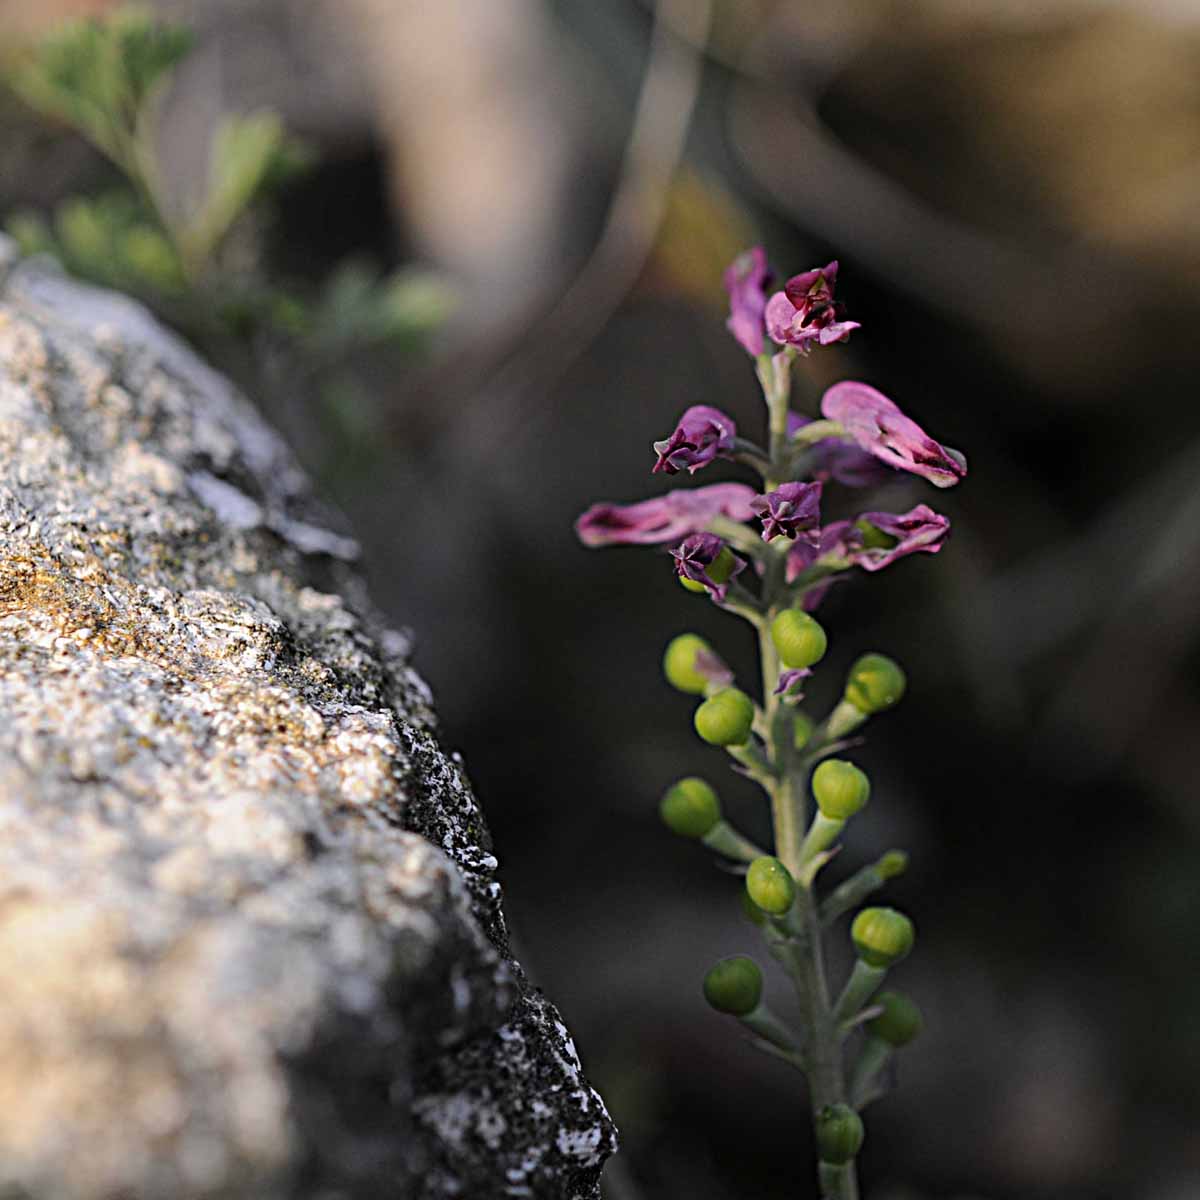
80,608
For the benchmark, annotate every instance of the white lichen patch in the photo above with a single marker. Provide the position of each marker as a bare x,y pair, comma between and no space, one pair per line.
581,1143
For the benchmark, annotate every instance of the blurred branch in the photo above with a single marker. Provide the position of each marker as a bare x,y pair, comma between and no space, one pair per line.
1065,295
652,155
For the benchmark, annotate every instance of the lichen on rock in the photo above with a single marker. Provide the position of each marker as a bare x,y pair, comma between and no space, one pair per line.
250,928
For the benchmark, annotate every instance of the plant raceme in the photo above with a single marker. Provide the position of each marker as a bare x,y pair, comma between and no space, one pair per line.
765,554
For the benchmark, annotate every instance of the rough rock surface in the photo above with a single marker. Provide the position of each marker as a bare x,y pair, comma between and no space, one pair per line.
250,934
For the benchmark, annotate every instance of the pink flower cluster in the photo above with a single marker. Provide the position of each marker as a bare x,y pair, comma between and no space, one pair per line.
868,435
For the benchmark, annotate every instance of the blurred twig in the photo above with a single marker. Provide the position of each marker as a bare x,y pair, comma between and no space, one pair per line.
784,143
512,384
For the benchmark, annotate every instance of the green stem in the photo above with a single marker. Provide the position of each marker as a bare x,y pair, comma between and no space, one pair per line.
797,945
863,983
738,535
821,835
872,1060
838,1181
826,1070
724,839
853,891
775,375
770,1028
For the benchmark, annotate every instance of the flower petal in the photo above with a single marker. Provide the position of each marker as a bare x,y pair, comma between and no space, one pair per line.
664,518
880,428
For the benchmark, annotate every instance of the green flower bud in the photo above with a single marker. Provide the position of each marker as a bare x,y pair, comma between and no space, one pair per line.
882,936
679,663
875,682
690,808
899,1022
770,885
840,788
734,985
804,730
725,719
893,863
719,570
799,639
839,1134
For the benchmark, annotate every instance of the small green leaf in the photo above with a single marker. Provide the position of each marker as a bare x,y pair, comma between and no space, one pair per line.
97,74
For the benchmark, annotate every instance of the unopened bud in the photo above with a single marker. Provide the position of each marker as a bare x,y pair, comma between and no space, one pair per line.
680,664
770,885
899,1022
799,639
840,789
839,1134
875,683
726,718
690,808
734,985
719,571
882,936
893,863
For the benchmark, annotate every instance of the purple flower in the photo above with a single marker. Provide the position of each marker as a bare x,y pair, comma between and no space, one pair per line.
881,429
702,434
790,509
920,530
791,679
805,311
696,554
857,543
664,518
746,280
839,460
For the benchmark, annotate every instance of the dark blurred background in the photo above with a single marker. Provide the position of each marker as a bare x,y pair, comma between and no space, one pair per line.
1013,190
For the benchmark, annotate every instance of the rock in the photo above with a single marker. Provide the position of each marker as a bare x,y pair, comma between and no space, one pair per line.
250,931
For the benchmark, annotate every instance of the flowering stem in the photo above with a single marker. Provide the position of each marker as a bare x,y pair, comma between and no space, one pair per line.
797,945
826,1077
775,375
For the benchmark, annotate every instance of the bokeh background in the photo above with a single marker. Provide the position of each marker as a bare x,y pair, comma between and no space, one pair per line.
1013,190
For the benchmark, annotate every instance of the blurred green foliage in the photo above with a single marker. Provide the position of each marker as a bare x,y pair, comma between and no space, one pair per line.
204,270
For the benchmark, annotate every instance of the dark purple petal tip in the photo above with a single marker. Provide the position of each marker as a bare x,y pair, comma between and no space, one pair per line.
792,509
695,555
703,433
